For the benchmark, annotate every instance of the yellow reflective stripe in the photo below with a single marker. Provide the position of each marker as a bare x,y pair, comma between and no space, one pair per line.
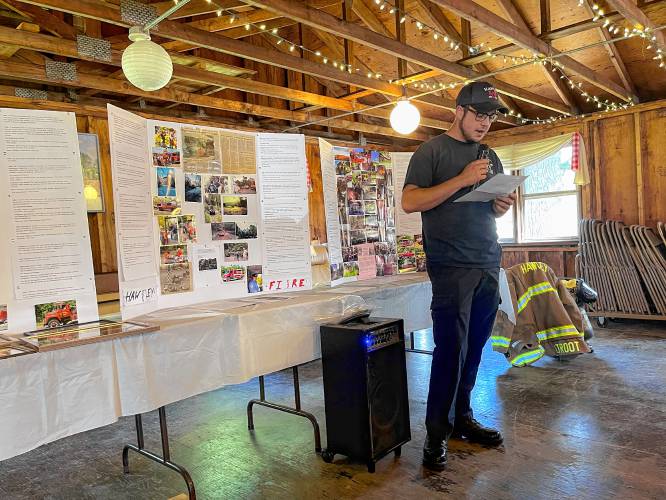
557,331
498,341
566,334
528,357
533,291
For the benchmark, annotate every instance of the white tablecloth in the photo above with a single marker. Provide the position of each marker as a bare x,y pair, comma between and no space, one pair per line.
47,396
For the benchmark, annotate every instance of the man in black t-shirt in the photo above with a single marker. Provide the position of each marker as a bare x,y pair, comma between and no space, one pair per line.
463,258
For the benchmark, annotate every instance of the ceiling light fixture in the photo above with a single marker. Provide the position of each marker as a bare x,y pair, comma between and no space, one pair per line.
147,65
405,117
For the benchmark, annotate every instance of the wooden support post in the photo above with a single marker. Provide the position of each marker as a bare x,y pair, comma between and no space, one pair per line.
638,139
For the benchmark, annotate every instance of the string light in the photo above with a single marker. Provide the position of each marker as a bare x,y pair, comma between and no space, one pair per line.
614,29
436,34
434,86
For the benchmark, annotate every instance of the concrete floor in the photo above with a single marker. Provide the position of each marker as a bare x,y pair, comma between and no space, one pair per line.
593,427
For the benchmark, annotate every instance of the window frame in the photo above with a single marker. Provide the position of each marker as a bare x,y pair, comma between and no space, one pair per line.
518,219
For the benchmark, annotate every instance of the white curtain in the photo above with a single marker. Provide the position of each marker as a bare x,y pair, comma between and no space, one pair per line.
518,156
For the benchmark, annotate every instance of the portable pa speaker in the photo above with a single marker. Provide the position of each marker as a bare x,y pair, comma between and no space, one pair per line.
365,388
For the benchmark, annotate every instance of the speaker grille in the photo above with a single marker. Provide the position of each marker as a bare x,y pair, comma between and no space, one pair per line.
389,413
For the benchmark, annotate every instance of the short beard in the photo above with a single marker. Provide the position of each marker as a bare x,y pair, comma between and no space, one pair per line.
462,130
464,134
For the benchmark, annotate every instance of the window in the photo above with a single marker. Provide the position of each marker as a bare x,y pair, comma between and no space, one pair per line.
547,205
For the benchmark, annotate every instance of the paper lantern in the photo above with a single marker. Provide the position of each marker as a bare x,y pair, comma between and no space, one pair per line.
146,64
405,117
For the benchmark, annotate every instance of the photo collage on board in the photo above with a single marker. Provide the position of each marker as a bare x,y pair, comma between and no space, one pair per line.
367,216
226,185
176,230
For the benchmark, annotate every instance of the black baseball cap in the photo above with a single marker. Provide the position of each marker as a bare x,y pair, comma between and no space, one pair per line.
482,96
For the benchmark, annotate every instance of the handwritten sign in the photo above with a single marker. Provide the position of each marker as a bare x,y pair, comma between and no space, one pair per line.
137,296
288,284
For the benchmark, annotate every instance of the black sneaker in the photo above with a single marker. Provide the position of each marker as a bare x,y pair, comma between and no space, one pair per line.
434,453
474,432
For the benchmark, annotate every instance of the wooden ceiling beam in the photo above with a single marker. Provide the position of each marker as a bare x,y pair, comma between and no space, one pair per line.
67,48
517,18
614,55
8,50
544,10
556,34
196,7
336,26
437,18
37,74
474,12
369,18
213,41
440,22
45,19
180,32
375,24
630,11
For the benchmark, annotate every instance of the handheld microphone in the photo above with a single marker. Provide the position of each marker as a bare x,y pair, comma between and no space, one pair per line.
483,154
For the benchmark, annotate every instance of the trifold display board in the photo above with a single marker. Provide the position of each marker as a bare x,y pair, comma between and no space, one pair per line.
45,258
205,213
368,233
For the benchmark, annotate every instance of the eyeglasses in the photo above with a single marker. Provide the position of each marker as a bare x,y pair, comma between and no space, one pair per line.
482,116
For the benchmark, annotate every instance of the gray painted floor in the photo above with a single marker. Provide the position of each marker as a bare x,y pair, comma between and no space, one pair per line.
592,427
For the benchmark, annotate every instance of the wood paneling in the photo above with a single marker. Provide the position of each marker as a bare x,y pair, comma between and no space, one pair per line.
316,196
653,141
616,163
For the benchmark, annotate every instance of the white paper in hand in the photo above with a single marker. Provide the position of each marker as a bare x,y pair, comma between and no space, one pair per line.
497,185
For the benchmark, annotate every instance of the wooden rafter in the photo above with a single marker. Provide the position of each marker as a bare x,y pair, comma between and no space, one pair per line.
196,7
517,18
37,73
44,19
373,22
630,10
474,12
614,55
438,20
52,45
177,31
556,34
390,46
8,50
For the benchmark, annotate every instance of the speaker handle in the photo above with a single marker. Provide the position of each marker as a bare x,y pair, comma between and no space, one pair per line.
355,317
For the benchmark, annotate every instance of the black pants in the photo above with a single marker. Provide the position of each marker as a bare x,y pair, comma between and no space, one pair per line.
464,304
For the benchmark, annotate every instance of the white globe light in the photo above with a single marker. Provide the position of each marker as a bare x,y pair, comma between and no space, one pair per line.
405,117
146,64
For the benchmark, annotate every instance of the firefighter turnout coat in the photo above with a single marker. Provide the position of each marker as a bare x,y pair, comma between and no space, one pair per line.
548,320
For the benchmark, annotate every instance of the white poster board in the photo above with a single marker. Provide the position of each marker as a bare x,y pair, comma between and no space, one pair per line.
333,228
45,254
404,223
225,213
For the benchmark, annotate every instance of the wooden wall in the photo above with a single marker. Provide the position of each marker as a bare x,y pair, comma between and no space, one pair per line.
101,225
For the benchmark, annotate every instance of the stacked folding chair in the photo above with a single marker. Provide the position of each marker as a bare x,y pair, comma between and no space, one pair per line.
626,265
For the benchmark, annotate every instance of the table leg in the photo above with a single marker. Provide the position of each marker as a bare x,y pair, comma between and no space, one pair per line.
287,409
411,347
165,459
